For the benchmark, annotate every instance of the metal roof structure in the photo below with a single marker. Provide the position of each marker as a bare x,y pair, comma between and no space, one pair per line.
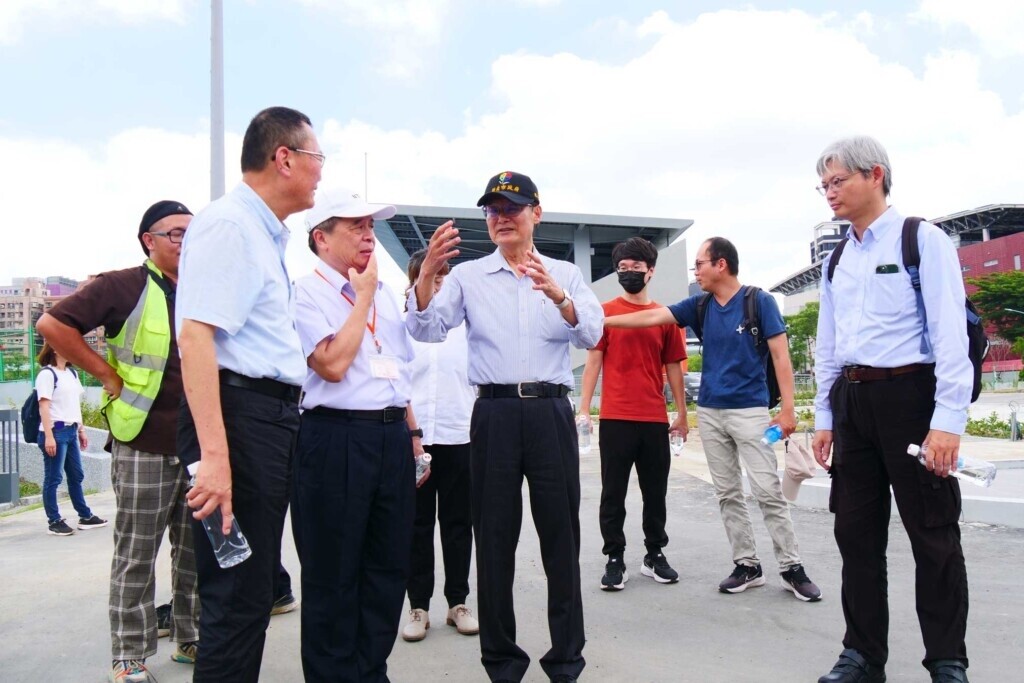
964,228
584,239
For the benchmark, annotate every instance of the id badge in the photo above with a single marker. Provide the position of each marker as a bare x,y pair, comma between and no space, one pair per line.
384,367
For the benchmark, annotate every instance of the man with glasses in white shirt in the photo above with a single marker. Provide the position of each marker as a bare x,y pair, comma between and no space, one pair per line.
893,369
522,311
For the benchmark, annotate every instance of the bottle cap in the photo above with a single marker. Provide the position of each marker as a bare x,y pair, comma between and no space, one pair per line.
426,457
193,468
914,449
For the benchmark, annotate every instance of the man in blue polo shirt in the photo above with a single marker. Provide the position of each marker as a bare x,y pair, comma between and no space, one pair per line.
732,413
241,366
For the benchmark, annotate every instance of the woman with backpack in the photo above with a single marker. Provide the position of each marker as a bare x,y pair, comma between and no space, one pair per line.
61,438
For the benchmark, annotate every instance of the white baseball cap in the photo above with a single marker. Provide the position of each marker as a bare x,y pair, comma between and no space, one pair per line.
799,466
342,203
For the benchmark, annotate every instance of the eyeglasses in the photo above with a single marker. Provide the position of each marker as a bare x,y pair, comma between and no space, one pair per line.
174,236
507,210
835,183
319,156
698,262
635,268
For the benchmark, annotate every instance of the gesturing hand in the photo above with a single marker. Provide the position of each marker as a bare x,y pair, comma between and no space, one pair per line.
542,280
440,249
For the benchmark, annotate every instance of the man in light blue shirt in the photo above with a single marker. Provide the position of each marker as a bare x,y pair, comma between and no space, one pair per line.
354,496
886,380
522,310
242,365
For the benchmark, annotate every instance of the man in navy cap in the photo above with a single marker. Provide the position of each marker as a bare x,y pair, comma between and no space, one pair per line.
142,377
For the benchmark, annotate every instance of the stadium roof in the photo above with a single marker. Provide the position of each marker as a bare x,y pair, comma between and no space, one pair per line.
967,227
557,236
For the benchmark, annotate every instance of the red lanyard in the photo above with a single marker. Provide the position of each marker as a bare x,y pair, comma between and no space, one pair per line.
371,326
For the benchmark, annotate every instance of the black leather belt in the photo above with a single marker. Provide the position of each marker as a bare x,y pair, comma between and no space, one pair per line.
60,424
263,385
387,415
524,390
863,373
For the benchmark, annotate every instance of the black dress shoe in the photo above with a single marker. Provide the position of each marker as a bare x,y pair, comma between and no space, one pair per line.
853,668
948,671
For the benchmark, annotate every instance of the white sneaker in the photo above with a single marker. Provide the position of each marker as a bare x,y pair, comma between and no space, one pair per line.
416,629
463,620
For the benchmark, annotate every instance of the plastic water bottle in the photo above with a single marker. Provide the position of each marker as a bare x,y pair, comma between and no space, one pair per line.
675,442
422,465
771,435
583,430
978,472
231,549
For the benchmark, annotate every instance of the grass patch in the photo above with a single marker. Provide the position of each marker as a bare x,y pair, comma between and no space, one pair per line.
28,488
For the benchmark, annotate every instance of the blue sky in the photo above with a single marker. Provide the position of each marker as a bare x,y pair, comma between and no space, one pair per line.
703,110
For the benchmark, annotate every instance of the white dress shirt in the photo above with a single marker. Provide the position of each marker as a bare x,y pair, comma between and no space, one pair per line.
515,331
320,311
442,397
871,318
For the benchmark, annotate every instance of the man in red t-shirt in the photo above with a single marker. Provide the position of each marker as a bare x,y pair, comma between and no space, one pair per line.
634,423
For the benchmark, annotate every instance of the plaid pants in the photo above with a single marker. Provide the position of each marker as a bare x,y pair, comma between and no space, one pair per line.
150,490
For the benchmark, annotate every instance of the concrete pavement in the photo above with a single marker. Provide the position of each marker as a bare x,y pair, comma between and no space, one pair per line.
53,596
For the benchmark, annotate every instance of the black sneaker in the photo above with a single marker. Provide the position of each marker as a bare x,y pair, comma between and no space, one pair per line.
853,666
795,580
60,528
657,567
92,522
163,621
742,578
948,671
615,574
285,603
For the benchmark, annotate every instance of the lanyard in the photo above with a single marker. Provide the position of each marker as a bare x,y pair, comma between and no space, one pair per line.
371,326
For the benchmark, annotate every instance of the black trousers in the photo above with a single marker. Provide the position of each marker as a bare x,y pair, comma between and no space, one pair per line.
282,583
352,512
536,438
236,602
625,443
873,422
444,495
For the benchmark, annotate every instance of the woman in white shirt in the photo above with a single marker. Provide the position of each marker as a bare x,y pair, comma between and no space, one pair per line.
442,400
61,437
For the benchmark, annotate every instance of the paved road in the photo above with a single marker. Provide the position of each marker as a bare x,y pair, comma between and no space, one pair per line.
53,621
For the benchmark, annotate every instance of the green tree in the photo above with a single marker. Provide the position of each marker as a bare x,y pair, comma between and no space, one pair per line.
694,363
802,327
996,293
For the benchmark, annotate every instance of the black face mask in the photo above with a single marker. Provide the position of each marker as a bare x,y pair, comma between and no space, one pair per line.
632,281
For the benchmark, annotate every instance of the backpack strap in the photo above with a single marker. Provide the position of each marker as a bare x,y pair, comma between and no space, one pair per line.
752,313
702,312
836,253
912,262
54,373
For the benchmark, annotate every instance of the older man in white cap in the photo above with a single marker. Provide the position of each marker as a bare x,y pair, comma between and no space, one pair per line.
353,494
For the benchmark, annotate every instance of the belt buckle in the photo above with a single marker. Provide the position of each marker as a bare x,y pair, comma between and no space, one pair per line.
519,390
391,415
851,375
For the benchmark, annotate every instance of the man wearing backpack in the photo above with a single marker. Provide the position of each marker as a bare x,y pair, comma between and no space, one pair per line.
732,409
142,377
893,369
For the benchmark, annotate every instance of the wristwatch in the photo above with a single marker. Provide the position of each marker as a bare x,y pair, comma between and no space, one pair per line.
565,302
416,432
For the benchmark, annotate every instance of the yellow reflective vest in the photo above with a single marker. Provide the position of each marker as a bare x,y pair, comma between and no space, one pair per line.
139,355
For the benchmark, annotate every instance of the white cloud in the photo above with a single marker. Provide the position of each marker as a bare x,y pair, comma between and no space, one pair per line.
720,119
15,14
996,23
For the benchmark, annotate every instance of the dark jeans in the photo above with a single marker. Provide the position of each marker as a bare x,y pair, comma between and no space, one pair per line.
873,424
236,602
536,438
623,444
444,495
68,459
352,514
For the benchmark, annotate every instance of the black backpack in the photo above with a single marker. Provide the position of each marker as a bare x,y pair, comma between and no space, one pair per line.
752,322
977,340
30,417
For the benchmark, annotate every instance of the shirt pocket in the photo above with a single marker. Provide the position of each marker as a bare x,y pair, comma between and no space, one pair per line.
890,297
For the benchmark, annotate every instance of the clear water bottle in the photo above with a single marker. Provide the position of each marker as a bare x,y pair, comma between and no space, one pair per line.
422,465
231,549
584,428
978,472
675,442
772,435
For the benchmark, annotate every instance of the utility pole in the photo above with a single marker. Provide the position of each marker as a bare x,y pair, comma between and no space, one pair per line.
216,99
